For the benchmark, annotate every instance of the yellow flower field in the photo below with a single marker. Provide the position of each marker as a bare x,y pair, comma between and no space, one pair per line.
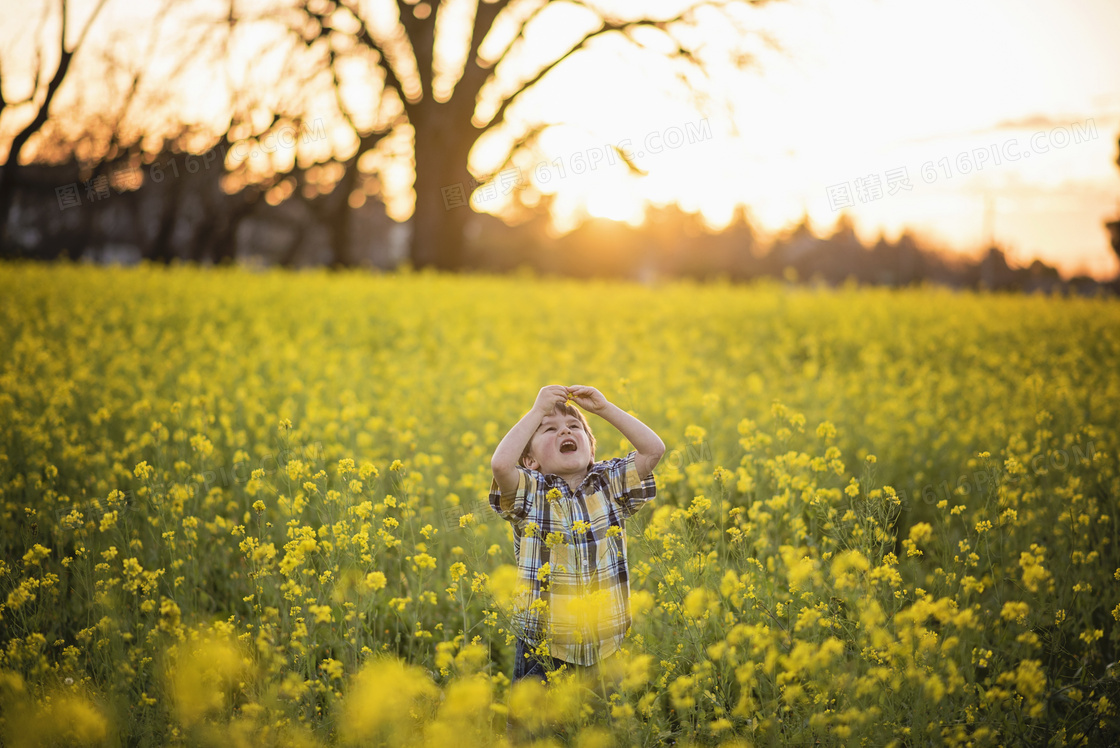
249,508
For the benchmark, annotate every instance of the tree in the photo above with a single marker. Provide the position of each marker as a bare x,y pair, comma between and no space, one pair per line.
432,78
39,100
1114,226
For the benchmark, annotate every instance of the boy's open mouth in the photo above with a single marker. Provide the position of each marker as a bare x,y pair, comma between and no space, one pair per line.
568,445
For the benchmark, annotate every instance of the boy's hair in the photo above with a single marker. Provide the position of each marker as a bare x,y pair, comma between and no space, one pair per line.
568,410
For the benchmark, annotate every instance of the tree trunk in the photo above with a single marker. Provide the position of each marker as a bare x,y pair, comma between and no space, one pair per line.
443,186
338,216
8,182
160,248
241,207
292,251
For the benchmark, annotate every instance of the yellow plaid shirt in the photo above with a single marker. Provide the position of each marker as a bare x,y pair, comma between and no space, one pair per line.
571,564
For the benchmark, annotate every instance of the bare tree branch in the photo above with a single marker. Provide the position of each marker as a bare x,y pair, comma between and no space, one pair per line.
134,86
626,28
475,72
484,16
9,176
421,33
520,143
519,35
365,36
65,56
606,28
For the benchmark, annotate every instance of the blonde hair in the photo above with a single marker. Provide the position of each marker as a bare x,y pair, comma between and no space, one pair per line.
574,412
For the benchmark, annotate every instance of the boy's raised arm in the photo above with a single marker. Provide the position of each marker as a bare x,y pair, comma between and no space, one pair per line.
508,451
648,444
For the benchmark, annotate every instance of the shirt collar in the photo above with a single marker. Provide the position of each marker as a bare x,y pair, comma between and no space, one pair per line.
596,469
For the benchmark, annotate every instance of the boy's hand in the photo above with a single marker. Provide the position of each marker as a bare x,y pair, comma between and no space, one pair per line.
588,398
549,397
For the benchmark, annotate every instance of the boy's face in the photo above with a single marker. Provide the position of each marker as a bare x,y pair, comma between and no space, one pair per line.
559,446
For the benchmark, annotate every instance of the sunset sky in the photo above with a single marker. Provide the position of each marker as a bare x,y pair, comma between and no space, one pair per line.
868,87
861,93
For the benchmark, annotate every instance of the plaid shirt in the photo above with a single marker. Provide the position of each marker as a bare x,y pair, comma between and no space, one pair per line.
585,596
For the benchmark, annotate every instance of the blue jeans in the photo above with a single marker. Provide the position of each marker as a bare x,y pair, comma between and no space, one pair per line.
536,666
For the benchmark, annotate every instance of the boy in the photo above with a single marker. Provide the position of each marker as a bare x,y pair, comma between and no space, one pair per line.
568,515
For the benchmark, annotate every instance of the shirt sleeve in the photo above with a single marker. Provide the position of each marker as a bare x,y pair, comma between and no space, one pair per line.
627,489
514,506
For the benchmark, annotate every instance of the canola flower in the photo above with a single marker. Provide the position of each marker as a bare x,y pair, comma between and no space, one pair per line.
231,513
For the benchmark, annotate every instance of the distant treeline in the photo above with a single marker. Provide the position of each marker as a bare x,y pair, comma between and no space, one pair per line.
675,244
176,207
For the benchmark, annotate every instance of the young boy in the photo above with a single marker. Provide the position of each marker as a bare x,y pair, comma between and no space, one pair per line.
568,515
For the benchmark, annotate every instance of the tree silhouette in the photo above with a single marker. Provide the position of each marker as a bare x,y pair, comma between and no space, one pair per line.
40,100
1114,226
423,70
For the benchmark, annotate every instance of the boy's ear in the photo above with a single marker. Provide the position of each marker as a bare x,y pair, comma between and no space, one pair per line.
530,463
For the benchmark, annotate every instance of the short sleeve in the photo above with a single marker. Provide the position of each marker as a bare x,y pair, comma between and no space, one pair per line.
514,507
627,489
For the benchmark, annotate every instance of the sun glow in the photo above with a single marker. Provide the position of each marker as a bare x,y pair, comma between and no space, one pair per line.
829,113
616,204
